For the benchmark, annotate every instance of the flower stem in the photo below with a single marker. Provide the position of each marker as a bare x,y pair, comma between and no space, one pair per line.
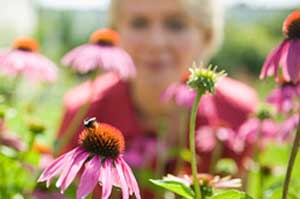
291,162
192,143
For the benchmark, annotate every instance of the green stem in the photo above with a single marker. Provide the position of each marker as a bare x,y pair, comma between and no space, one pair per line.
291,162
192,143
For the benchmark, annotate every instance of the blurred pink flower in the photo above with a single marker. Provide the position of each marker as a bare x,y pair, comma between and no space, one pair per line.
23,59
100,150
232,103
283,97
207,138
287,53
9,140
181,94
102,52
287,127
249,131
208,180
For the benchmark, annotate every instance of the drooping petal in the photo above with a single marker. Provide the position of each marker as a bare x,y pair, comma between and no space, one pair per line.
76,166
123,183
56,167
271,64
106,179
293,60
71,169
133,185
89,178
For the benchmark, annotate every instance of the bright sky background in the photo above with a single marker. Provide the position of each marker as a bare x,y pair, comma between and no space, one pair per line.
266,3
87,4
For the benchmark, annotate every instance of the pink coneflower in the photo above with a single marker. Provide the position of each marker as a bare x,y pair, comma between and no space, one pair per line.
23,59
287,53
102,52
100,150
283,97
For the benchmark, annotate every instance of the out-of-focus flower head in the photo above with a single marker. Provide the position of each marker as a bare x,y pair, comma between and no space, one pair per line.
7,139
287,53
102,52
180,93
23,59
285,97
210,181
287,128
100,152
207,137
204,79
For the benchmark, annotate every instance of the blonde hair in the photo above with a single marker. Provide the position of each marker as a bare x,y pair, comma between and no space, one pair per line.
208,14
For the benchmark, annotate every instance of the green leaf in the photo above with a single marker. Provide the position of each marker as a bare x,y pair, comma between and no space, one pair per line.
176,187
231,195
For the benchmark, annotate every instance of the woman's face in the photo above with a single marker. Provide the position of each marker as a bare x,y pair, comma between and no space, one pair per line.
161,38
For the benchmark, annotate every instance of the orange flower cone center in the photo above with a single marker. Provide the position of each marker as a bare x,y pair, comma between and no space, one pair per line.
291,25
102,139
26,44
105,37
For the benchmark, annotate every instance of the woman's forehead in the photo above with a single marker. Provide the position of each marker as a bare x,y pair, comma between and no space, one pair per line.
152,7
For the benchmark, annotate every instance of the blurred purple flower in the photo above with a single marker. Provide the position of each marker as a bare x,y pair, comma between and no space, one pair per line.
42,194
102,52
23,59
100,150
283,97
142,152
287,53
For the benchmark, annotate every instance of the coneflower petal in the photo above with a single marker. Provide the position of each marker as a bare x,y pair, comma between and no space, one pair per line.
292,60
55,167
89,178
130,179
123,183
106,179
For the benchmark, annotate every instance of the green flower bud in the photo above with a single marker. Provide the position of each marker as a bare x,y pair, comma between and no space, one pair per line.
204,79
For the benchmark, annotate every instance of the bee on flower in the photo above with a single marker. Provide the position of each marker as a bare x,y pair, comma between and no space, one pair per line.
100,153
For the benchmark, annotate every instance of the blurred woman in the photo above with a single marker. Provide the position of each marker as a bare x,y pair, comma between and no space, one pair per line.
164,37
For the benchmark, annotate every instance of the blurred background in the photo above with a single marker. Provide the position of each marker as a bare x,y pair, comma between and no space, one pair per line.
252,29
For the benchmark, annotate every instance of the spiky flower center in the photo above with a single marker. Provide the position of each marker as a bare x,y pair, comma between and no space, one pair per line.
291,25
104,37
204,79
26,44
102,139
